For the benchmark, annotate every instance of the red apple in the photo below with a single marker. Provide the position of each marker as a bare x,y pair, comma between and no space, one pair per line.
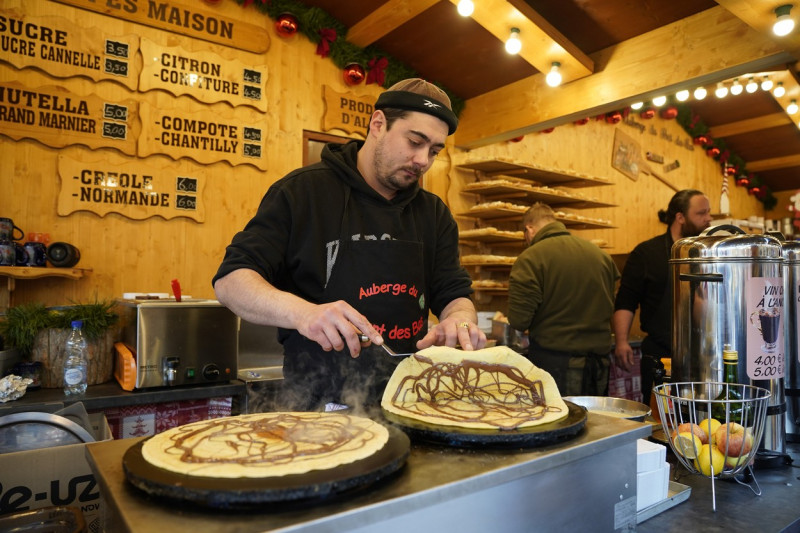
734,439
691,428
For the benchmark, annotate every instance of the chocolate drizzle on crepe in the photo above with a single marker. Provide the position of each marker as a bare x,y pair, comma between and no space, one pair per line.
474,391
281,439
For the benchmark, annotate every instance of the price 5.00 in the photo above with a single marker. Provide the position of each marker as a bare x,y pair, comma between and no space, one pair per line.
768,366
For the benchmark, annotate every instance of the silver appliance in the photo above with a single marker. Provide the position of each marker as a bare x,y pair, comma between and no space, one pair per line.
728,289
180,343
260,367
791,273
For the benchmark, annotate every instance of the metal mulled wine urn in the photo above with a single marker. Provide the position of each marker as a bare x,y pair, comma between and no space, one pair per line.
791,275
728,288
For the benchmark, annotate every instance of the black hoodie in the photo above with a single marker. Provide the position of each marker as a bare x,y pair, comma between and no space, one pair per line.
293,239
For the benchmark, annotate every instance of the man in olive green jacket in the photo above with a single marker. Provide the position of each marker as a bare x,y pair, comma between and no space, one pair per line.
561,291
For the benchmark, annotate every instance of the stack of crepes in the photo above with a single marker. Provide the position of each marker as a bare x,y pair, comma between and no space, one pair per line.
493,388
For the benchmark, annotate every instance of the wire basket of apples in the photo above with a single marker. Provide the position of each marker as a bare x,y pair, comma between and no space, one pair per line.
714,429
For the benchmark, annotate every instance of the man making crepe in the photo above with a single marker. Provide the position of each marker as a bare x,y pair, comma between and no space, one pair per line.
354,244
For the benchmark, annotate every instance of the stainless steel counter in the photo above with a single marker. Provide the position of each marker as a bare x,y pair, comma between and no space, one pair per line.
590,479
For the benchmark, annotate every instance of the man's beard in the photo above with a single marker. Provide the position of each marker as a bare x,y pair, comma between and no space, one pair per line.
388,177
690,230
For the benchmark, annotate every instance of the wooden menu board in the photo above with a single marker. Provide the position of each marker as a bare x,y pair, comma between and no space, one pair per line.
206,76
56,117
208,134
219,23
63,48
136,188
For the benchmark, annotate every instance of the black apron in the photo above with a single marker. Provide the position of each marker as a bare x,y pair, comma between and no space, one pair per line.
385,281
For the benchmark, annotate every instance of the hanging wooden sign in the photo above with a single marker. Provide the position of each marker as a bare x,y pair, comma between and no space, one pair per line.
196,19
346,111
57,117
63,48
183,128
205,76
135,188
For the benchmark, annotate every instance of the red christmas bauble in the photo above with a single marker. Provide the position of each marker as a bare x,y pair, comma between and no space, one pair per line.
742,182
516,139
582,121
548,130
286,25
730,170
712,152
701,140
614,117
353,74
647,113
669,112
755,191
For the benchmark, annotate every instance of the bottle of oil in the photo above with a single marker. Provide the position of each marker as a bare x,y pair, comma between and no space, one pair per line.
723,409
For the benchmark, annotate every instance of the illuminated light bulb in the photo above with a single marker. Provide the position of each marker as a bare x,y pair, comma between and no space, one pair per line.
792,107
766,85
785,24
637,106
780,90
513,44
736,88
751,86
683,95
658,101
465,8
722,90
553,78
700,93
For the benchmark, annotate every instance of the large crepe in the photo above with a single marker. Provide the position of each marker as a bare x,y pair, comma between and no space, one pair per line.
265,444
493,388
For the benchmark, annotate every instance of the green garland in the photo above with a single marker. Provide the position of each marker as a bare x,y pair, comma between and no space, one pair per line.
694,126
342,52
23,322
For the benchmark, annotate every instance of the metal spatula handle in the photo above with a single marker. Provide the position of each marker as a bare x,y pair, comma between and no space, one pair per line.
391,352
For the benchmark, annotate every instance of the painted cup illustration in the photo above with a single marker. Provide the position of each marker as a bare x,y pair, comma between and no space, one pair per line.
767,321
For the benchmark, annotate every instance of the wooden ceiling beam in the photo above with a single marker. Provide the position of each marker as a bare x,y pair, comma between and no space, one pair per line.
774,163
704,48
749,125
761,16
385,19
542,44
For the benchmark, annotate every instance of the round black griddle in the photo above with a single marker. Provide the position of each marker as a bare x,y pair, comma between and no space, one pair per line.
237,493
543,435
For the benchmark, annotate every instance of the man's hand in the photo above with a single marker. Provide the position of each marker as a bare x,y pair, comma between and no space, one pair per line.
332,325
623,356
453,331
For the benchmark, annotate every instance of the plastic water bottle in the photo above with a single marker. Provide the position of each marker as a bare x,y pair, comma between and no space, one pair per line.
75,366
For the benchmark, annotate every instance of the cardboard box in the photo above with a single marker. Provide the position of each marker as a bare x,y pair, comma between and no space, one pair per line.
58,476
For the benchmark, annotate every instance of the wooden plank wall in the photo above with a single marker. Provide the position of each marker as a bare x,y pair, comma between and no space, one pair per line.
144,255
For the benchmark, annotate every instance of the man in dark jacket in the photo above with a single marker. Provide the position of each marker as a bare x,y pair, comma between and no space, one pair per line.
645,283
353,244
561,290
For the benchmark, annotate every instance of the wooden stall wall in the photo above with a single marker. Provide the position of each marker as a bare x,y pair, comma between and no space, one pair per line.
588,149
125,254
129,255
